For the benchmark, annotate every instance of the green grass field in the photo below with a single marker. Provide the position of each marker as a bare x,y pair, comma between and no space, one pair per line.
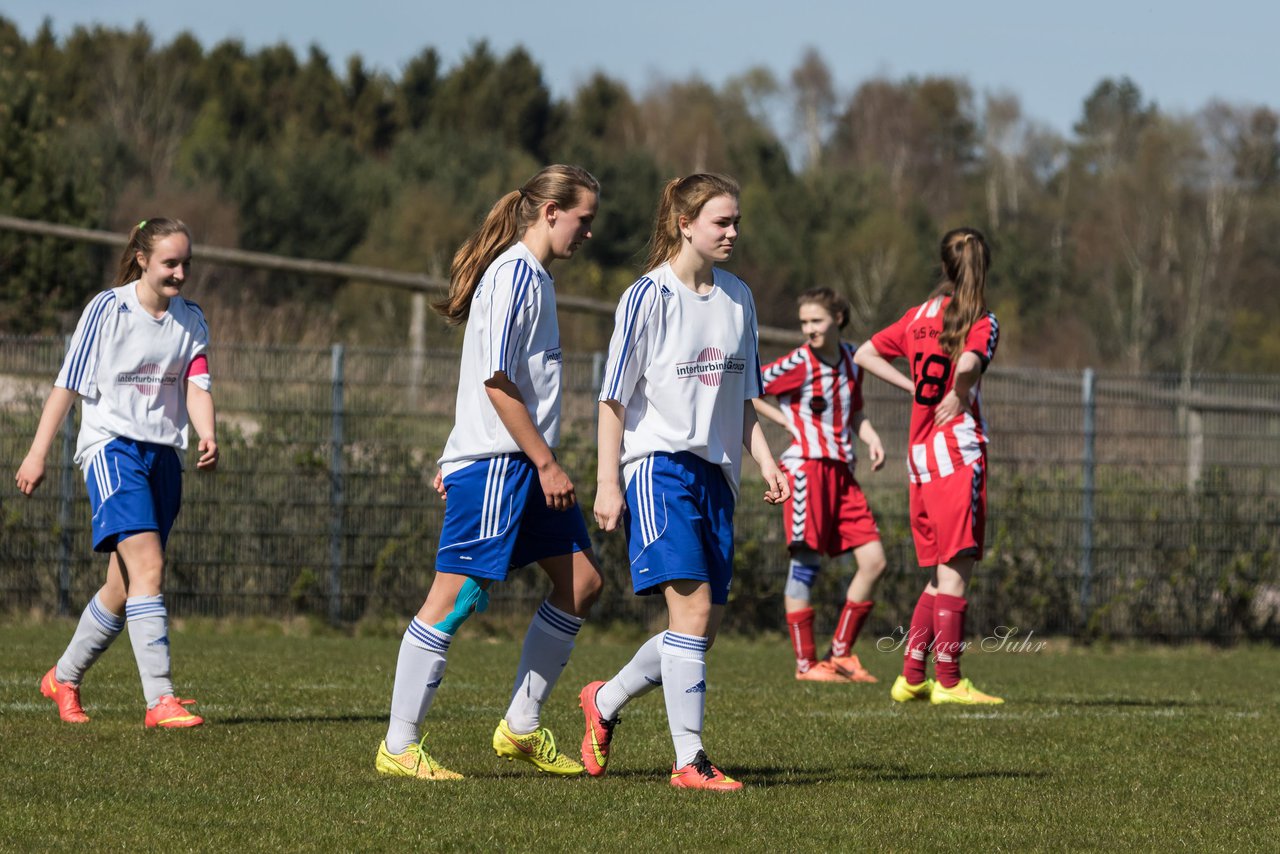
1121,748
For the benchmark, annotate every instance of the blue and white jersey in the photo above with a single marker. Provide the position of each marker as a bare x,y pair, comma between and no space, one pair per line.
131,369
682,365
512,329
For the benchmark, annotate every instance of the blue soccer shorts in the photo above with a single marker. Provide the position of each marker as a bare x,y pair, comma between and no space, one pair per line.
133,487
679,524
496,519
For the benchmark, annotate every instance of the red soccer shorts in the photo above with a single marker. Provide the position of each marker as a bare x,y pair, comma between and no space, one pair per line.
949,515
827,511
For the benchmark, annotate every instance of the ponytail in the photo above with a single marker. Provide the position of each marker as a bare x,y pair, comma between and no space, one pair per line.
965,261
143,238
507,221
683,198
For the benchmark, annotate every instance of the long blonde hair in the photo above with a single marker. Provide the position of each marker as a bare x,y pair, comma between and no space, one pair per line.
683,197
143,238
508,220
965,261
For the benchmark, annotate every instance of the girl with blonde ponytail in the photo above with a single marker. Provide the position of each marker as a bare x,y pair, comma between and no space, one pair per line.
675,414
948,342
509,503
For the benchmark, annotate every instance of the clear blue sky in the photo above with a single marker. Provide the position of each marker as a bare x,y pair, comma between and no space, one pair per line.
1180,53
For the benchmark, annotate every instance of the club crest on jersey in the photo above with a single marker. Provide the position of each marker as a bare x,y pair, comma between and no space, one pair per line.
710,366
147,379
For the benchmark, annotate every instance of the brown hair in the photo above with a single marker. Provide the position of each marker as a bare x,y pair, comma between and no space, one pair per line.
683,197
965,261
508,219
836,305
143,238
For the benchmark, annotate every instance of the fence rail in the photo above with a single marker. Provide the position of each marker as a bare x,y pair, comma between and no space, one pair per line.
1119,505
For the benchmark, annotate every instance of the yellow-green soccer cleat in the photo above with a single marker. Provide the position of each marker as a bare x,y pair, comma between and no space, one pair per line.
904,692
962,692
414,762
538,748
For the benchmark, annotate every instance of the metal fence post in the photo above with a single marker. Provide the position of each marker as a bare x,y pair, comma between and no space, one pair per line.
1086,498
336,491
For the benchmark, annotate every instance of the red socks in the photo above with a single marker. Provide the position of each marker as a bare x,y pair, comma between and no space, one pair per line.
852,616
919,639
800,627
948,642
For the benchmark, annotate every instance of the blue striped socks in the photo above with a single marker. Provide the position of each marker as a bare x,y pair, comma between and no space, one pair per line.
148,623
419,671
547,645
97,628
684,686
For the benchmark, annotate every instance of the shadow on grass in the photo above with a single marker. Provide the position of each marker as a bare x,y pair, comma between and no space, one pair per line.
1117,701
303,719
862,772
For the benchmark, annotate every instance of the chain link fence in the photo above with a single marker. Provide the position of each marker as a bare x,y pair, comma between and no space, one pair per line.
1120,506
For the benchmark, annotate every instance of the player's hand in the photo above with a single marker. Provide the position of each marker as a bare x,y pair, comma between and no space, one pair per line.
208,455
437,483
609,506
875,450
557,487
776,488
949,407
30,475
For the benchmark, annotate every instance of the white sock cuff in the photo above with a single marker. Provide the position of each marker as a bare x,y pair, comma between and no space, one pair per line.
426,637
142,607
684,646
557,623
109,622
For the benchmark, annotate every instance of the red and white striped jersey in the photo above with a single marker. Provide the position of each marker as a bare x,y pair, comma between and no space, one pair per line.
819,402
938,451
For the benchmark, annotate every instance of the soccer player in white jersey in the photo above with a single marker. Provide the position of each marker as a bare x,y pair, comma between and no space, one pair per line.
948,341
675,413
137,362
508,502
819,393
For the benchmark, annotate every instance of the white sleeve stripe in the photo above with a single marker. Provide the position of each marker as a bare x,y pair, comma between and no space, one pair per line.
629,325
81,358
523,274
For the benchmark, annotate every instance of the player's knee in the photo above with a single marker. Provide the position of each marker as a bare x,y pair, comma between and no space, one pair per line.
470,599
800,576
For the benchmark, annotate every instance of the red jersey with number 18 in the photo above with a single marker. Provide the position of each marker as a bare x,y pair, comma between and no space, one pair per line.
936,452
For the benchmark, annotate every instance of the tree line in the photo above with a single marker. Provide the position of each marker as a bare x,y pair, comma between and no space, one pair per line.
1141,241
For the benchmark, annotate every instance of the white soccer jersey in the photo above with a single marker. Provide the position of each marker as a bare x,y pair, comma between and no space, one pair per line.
682,365
512,328
129,367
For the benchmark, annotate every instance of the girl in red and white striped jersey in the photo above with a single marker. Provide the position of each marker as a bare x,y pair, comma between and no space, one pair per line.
948,341
819,392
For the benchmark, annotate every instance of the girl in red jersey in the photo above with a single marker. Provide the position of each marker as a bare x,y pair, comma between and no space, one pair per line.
819,392
948,341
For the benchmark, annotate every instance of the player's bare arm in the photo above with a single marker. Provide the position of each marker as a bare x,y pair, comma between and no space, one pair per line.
514,415
869,359
776,488
610,503
200,411
968,372
767,410
869,436
31,471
